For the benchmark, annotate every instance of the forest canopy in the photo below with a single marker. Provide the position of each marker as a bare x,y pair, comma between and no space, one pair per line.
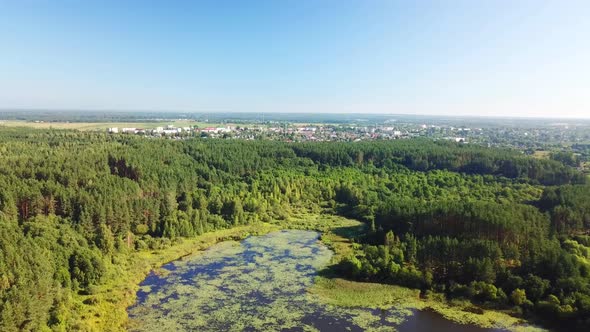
489,225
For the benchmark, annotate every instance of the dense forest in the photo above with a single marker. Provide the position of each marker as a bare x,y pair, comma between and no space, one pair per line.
493,226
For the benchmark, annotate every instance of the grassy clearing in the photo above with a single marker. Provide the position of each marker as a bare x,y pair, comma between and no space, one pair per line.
106,308
541,154
346,293
323,223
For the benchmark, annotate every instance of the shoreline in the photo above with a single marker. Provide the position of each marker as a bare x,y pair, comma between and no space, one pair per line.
347,293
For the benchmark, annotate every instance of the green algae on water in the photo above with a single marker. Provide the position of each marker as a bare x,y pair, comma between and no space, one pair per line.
258,284
264,283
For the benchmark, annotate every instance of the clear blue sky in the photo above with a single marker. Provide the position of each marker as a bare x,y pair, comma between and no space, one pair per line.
477,57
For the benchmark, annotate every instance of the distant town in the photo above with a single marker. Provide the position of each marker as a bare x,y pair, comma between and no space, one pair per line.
542,138
300,133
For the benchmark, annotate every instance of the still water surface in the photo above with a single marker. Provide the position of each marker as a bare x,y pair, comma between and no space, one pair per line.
259,284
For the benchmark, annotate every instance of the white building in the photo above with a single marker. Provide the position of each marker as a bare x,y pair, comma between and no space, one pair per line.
172,131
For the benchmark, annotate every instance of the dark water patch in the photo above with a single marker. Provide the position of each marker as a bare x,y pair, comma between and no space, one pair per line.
427,320
169,266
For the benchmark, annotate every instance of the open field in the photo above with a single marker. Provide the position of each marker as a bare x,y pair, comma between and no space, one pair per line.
101,126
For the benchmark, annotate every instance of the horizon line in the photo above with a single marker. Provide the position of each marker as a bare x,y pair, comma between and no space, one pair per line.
98,110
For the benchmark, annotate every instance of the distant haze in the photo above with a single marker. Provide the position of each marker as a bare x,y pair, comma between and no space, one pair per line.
481,58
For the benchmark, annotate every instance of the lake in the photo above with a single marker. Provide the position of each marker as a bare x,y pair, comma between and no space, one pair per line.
259,284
